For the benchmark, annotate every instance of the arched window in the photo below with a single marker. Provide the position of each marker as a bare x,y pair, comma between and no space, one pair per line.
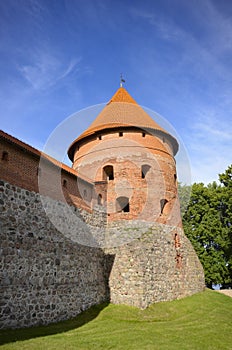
64,183
99,199
108,172
144,170
163,202
122,204
5,156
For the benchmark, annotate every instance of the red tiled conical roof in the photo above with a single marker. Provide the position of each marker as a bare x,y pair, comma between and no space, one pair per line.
122,111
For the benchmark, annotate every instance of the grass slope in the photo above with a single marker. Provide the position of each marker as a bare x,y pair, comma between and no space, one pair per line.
202,321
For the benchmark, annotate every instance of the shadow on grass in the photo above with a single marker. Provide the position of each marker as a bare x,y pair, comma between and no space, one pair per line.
13,335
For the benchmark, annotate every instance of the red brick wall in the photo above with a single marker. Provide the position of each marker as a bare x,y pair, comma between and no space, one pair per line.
127,154
22,167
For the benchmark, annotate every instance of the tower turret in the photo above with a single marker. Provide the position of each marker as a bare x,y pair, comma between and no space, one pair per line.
134,155
132,158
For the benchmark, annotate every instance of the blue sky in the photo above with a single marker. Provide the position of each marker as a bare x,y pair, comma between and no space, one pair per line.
60,56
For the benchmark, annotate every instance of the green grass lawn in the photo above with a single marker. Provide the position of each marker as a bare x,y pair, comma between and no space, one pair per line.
203,321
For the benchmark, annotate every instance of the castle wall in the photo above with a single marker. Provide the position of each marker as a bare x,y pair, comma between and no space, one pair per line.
26,167
19,167
160,264
52,226
46,275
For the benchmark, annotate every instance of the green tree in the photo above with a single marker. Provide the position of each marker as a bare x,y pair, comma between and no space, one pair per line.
226,216
184,192
204,225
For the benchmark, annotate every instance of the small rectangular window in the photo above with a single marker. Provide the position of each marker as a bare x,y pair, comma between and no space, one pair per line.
5,156
120,134
143,134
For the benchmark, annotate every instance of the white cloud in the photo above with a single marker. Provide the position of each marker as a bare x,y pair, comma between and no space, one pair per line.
210,143
46,69
206,169
209,126
201,53
220,27
165,27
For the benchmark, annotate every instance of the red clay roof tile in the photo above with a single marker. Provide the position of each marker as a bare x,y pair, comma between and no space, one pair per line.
121,111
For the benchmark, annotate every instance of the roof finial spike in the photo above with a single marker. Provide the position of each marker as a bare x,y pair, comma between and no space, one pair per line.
122,80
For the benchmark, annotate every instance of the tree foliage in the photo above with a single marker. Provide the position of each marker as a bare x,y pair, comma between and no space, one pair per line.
184,192
207,223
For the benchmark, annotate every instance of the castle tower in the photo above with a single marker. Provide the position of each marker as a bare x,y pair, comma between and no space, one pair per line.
125,148
132,157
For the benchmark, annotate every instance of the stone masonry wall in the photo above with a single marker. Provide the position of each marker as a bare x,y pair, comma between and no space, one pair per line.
46,275
160,264
51,268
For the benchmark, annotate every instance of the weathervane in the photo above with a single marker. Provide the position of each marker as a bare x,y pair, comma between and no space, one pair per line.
122,80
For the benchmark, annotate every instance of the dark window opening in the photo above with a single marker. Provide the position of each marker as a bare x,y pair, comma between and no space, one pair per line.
5,156
144,170
65,183
120,134
175,178
99,137
99,199
143,134
108,173
163,202
122,204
